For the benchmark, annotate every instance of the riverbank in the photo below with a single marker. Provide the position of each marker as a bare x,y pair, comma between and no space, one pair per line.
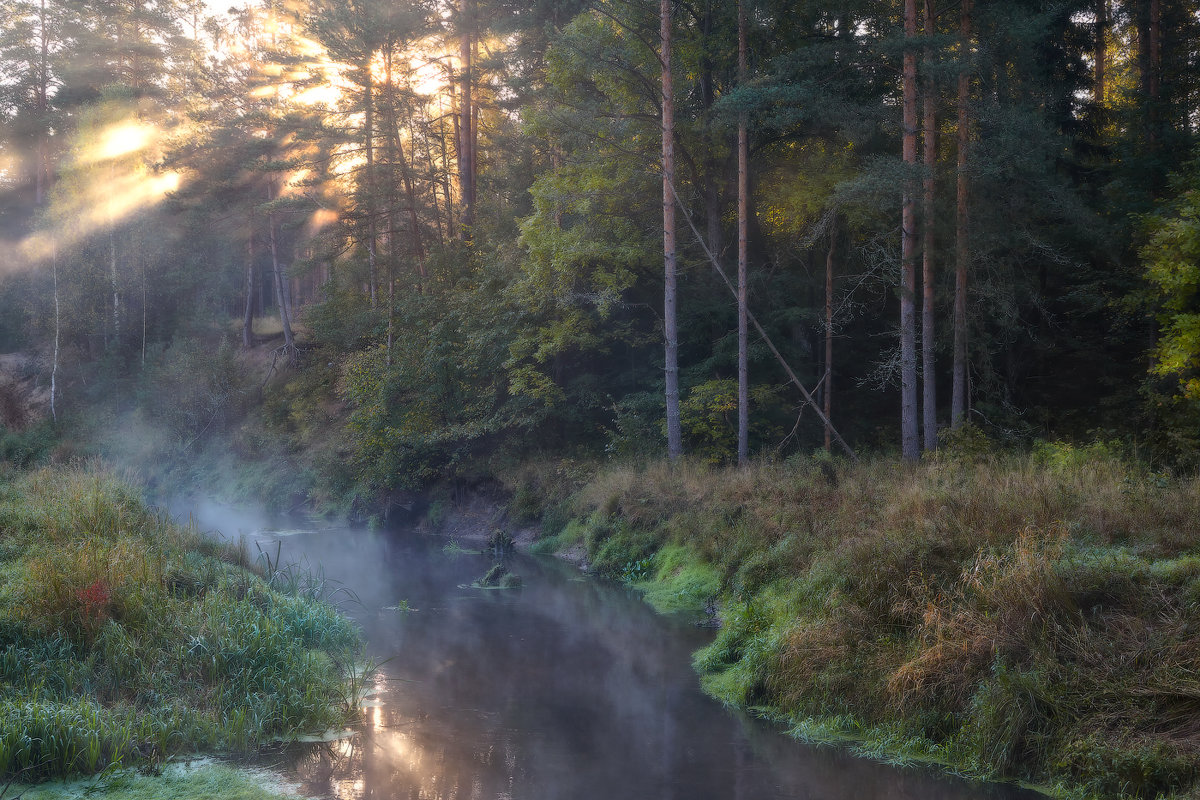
126,640
1028,618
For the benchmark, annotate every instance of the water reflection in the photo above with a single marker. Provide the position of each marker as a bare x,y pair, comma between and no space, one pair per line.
561,689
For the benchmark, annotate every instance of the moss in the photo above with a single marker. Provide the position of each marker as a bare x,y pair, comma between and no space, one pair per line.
681,582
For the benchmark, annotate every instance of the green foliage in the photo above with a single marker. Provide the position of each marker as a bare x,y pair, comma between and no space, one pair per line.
708,416
27,448
1171,256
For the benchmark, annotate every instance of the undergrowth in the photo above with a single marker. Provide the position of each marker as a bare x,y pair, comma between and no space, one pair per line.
125,639
1017,617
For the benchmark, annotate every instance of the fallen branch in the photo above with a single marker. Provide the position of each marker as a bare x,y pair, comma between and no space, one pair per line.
808,398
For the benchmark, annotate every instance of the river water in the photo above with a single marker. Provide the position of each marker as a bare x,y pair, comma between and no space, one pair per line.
565,689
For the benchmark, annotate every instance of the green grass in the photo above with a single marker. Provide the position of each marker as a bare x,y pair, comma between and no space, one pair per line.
202,781
125,639
1013,617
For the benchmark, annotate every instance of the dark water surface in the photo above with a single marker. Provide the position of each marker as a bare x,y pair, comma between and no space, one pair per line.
565,689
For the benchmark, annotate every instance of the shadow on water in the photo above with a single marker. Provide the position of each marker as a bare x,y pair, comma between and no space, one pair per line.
560,689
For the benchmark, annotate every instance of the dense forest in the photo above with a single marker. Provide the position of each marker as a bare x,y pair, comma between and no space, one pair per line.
412,236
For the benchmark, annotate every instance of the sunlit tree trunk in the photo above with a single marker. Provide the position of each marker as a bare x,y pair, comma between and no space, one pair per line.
398,157
369,141
41,155
743,446
928,372
433,179
466,122
910,441
57,330
1101,52
248,312
670,329
285,316
112,261
962,246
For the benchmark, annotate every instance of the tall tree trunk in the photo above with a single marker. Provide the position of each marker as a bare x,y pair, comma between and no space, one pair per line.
145,320
670,330
466,126
112,260
1154,78
416,245
369,137
285,316
929,136
57,329
41,156
434,181
445,153
1148,22
827,381
743,446
1101,52
962,244
248,312
910,441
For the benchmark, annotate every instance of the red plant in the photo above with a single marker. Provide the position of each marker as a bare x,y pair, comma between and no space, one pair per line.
94,600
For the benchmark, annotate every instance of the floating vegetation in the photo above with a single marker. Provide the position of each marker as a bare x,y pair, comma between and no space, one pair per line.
402,607
498,577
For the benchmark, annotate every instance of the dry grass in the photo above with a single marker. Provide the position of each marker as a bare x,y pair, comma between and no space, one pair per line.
1025,616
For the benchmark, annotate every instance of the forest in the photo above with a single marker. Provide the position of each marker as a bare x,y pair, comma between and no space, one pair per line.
451,219
868,331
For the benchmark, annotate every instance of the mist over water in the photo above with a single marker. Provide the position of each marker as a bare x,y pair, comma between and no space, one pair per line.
565,688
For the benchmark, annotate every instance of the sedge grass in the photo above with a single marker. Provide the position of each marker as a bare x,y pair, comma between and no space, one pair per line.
1017,617
125,639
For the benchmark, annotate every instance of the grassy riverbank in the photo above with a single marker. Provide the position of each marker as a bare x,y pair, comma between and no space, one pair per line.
1032,618
125,639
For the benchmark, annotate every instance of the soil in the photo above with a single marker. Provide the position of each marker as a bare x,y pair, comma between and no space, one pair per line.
24,400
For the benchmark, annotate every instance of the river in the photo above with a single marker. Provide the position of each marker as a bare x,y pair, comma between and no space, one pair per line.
565,689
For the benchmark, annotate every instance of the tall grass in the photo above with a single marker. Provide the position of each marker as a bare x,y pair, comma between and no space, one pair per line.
125,638
1018,616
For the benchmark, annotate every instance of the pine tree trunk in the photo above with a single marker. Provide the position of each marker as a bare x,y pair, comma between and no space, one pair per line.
670,332
1154,78
928,371
41,156
112,263
743,446
416,245
827,381
466,126
909,428
57,329
248,312
1101,52
369,141
962,247
285,317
